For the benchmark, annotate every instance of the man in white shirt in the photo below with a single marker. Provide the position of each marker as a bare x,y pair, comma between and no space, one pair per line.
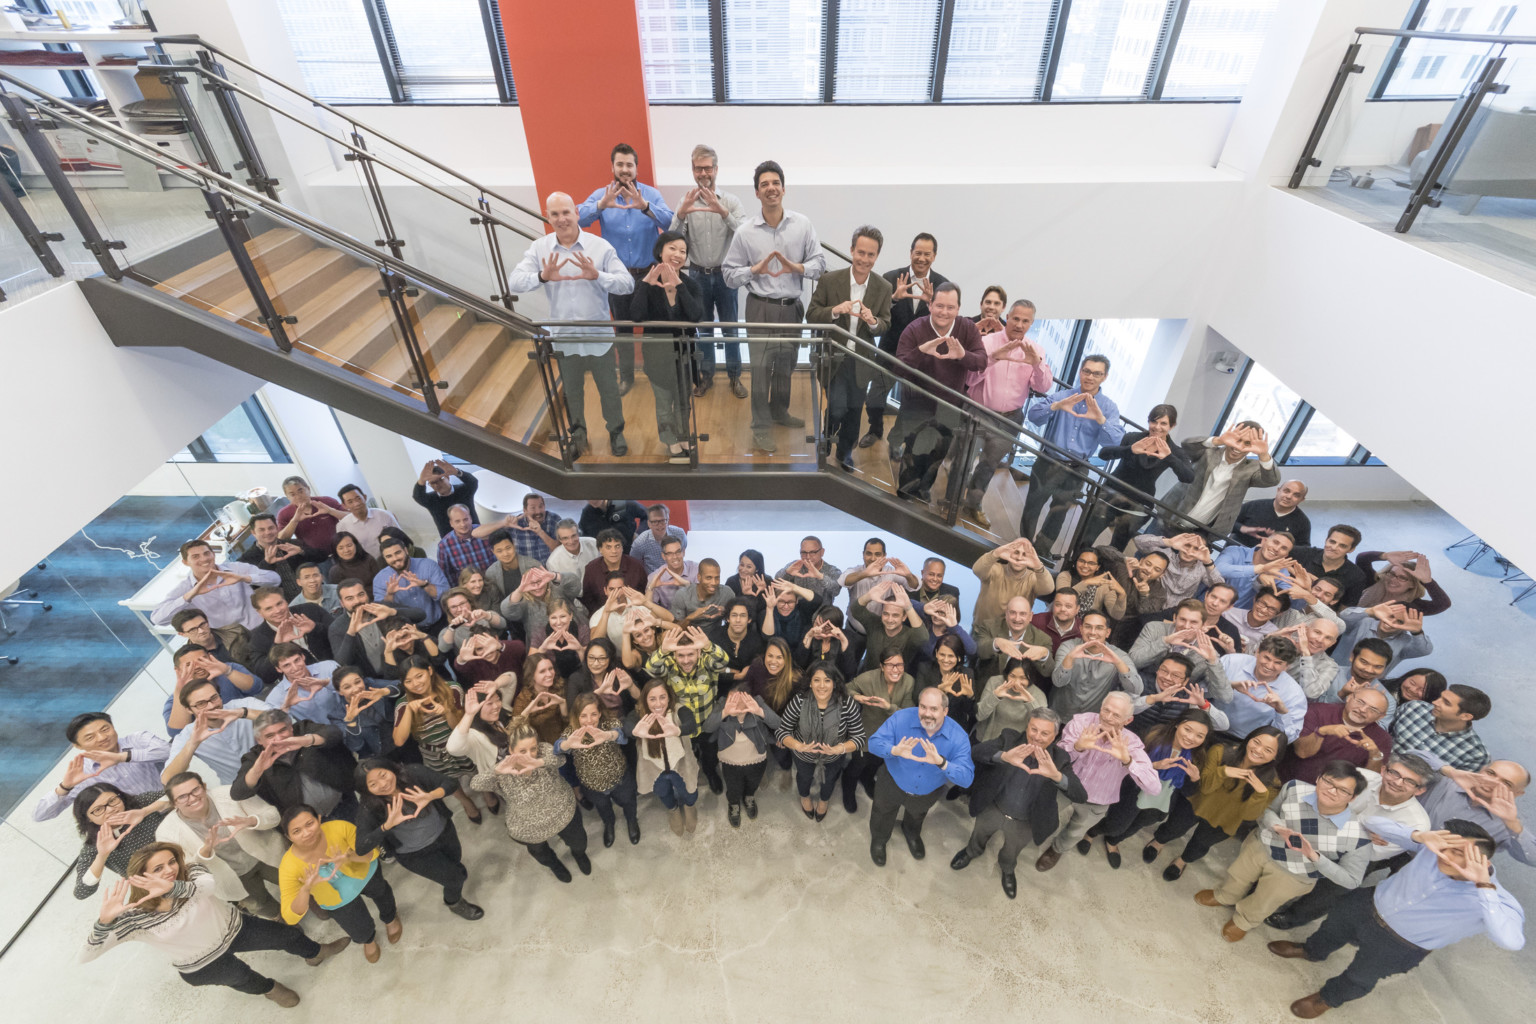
236,842
578,271
574,550
220,590
1394,794
364,523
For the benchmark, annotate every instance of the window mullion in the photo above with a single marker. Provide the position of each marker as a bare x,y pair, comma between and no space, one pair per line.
1167,43
501,65
1055,38
941,50
1281,450
389,55
829,51
717,47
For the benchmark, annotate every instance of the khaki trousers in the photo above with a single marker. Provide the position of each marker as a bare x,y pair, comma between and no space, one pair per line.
1257,885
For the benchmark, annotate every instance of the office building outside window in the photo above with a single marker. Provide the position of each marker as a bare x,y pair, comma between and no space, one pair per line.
773,50
675,50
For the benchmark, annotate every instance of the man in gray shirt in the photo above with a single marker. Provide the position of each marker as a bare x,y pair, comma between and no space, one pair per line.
773,254
708,219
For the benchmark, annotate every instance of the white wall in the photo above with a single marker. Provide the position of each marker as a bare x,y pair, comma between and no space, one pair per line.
97,419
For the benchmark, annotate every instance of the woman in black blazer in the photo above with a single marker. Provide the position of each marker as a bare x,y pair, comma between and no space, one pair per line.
667,293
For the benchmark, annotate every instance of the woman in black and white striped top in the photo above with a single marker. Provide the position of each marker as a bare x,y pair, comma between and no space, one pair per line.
174,907
822,727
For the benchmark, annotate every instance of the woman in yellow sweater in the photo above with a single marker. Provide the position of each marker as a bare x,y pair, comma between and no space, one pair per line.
323,867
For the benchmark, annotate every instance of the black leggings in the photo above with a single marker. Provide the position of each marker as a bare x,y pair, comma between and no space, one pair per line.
255,934
442,862
623,794
1181,818
354,917
742,780
575,836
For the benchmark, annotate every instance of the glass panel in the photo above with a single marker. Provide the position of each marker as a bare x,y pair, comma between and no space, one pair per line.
1265,401
442,50
675,50
729,425
773,50
1218,48
335,49
1322,440
1125,344
885,50
996,49
1438,67
1108,48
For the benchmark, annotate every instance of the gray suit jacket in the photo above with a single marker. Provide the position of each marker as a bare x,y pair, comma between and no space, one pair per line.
1246,474
835,288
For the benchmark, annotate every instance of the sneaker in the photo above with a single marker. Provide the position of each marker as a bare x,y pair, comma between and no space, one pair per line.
751,805
679,457
617,444
702,387
738,388
786,420
733,815
762,442
976,516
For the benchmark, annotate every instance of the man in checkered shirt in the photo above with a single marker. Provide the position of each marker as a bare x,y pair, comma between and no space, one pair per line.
1444,728
1307,833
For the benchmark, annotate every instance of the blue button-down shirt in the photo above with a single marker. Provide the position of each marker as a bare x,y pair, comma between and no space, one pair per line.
1079,435
427,571
1433,910
631,231
1236,565
575,299
1244,714
915,777
325,707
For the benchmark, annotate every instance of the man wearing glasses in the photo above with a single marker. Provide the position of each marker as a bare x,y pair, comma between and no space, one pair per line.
234,842
219,735
1077,421
813,572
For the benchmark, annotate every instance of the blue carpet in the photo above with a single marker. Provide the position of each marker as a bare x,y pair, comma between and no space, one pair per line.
80,655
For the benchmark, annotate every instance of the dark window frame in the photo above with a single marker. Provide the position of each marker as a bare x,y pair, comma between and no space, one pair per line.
261,423
1292,433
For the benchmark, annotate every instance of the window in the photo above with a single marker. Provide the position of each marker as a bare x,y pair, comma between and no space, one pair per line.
773,50
1108,47
1298,433
676,50
1264,400
1322,442
997,49
885,50
400,51
1418,68
1217,48
245,435
1055,337
1124,343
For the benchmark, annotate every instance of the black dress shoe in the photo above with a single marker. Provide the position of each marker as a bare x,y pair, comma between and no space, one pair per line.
1010,885
1149,854
868,439
607,834
560,871
617,444
850,802
1084,845
1282,921
634,832
583,862
915,844
960,860
751,805
624,386
1113,856
845,460
467,910
877,854
1172,873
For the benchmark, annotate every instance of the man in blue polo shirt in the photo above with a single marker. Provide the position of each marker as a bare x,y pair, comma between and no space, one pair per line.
925,752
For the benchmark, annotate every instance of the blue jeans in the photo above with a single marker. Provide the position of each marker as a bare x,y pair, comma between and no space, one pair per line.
719,304
672,792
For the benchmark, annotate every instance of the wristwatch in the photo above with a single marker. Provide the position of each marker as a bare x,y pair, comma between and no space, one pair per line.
943,762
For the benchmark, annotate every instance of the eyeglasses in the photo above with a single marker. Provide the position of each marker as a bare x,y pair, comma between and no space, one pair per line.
106,808
1085,372
188,796
205,705
1333,787
1393,773
812,551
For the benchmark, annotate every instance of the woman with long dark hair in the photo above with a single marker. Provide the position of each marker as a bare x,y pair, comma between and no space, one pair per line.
1237,781
113,826
171,906
743,726
593,739
1176,749
822,727
666,764
949,673
350,561
400,809
1143,457
541,697
428,709
1097,589
1418,683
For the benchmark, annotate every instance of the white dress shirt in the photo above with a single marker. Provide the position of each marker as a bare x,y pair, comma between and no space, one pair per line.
578,299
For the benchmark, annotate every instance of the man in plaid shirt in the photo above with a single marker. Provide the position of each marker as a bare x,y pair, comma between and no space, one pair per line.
532,533
460,548
1444,728
1308,832
689,662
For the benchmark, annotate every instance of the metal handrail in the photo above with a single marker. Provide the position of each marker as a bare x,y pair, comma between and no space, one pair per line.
1455,37
206,179
196,40
362,154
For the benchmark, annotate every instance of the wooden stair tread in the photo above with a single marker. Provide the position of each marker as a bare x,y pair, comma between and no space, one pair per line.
364,340
470,360
496,396
437,332
343,303
219,275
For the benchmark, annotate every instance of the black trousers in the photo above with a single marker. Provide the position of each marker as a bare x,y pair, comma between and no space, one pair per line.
574,835
354,917
890,798
623,794
1049,484
1124,819
442,862
805,777
742,780
255,934
1382,954
845,395
624,344
1181,818
1325,895
861,772
708,752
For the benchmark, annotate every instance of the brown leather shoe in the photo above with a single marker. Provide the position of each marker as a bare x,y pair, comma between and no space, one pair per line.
1207,898
1231,932
1048,859
1310,1006
1289,950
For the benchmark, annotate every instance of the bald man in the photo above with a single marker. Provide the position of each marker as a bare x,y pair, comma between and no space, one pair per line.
578,272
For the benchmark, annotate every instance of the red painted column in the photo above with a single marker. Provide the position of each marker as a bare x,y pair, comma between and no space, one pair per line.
580,87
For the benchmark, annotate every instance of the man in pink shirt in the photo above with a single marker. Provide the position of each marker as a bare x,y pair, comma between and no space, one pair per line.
1016,368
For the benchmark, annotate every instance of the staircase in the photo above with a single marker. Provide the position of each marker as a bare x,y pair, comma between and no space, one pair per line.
343,319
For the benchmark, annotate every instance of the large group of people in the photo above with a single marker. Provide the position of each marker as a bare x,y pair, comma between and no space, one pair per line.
339,691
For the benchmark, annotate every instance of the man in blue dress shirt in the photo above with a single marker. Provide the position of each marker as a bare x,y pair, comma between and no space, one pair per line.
925,752
1079,420
411,582
1446,893
632,215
